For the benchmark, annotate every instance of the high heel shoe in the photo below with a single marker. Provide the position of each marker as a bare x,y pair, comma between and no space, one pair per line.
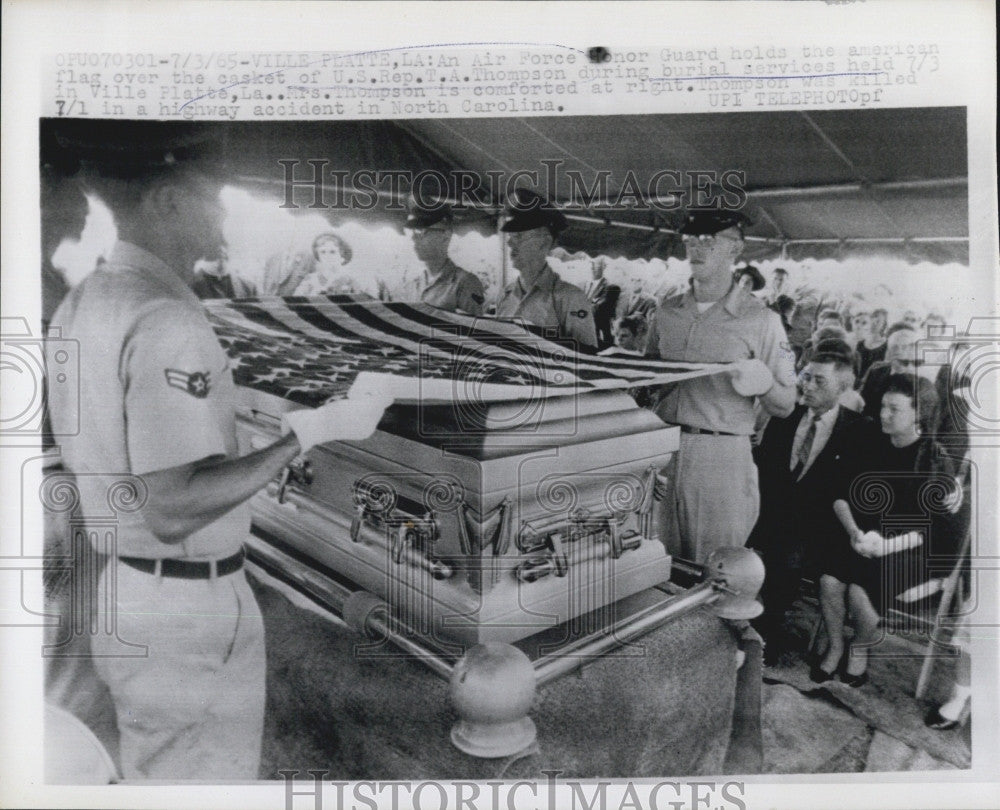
853,681
819,675
939,722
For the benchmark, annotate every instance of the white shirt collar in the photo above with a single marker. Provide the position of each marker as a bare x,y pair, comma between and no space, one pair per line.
827,418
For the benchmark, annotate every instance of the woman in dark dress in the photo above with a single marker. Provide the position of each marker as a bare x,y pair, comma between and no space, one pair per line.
871,344
872,347
900,509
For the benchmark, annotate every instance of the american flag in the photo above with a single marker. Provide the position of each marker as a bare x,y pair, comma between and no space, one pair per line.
311,350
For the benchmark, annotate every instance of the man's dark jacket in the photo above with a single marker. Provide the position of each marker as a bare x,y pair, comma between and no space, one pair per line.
796,517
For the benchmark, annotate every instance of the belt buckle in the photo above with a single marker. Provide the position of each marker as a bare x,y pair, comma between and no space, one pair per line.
213,569
158,569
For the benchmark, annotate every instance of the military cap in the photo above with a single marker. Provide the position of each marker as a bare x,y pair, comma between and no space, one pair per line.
527,211
425,216
707,221
754,273
137,148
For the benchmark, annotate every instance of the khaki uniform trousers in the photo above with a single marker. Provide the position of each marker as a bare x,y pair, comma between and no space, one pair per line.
712,498
193,706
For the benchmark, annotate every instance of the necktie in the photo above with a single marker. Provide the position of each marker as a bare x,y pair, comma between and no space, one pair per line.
806,449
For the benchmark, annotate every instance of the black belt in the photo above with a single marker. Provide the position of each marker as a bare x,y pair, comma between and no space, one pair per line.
702,432
187,569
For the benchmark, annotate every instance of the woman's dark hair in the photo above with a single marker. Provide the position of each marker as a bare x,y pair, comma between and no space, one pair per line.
330,236
921,393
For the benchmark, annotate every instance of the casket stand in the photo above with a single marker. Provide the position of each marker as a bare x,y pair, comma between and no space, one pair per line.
533,523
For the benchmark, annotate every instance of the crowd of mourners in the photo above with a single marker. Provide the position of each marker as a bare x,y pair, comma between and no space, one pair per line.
865,486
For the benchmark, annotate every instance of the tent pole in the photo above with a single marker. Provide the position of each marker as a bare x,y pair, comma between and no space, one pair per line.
503,253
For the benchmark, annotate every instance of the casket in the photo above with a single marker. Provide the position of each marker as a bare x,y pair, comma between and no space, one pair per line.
476,521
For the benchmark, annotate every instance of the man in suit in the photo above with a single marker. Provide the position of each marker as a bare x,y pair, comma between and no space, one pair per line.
603,299
800,458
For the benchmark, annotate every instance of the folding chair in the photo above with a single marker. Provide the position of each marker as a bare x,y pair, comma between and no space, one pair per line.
940,634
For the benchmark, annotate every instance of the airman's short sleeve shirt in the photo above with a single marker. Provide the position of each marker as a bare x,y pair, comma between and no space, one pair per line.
155,392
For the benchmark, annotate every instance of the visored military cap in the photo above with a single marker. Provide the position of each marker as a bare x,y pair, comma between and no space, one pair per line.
708,221
425,216
136,148
527,210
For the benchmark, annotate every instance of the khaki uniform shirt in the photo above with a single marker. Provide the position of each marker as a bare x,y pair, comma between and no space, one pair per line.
551,302
453,289
155,392
736,327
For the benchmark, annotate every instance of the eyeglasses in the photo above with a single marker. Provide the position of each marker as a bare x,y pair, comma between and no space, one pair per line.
519,237
706,238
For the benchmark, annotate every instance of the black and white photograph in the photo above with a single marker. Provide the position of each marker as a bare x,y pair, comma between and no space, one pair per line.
394,429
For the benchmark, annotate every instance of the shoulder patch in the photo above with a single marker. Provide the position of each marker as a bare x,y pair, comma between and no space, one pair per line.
196,383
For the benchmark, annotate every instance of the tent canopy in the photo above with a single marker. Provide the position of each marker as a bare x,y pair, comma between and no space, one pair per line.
819,184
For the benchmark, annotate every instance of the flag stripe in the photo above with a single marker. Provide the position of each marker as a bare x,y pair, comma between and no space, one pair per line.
311,350
587,366
466,342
